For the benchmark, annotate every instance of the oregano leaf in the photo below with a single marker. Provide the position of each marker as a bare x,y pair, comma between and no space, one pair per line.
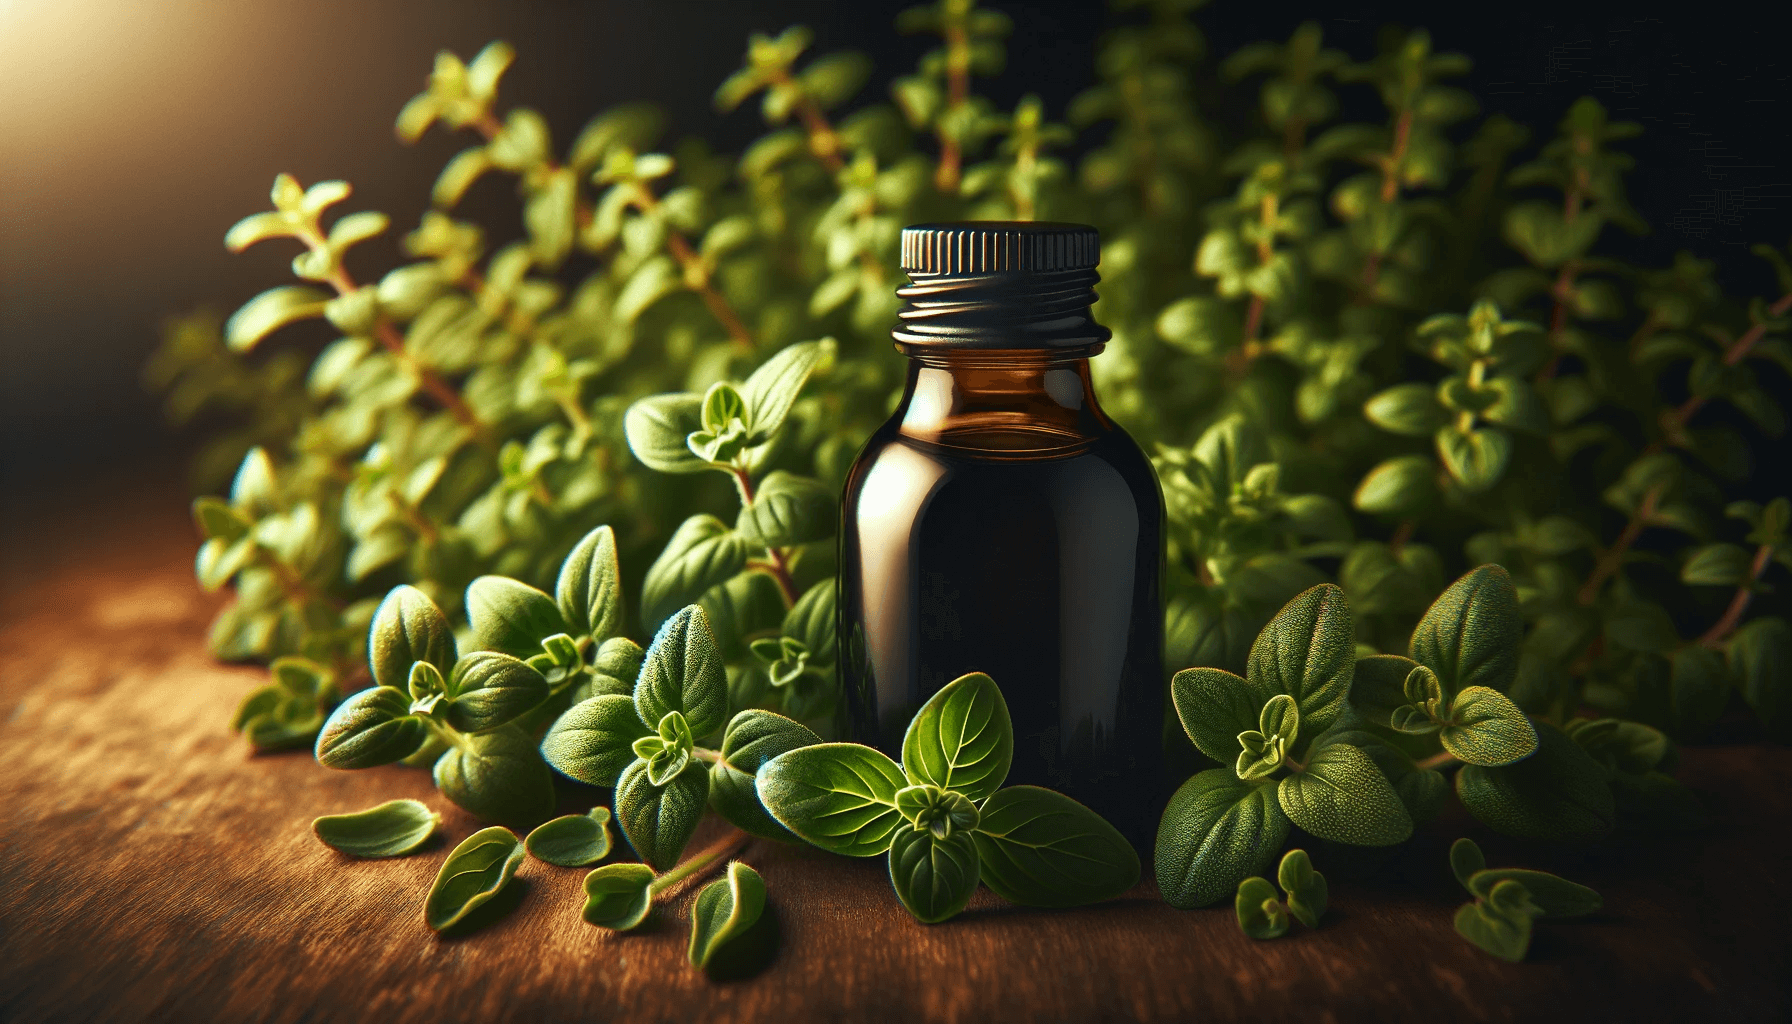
572,840
702,553
1341,795
1552,895
1217,831
478,869
1041,848
683,671
1486,728
724,909
618,896
659,820
593,740
511,617
488,690
933,877
408,628
1471,635
1259,910
497,776
1214,706
391,829
373,727
589,589
1307,651
752,738
1558,793
961,739
1307,891
838,796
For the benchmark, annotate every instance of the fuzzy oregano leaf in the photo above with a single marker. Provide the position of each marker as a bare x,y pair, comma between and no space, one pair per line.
589,589
961,739
511,617
373,727
1471,635
659,820
1217,831
702,553
1552,895
391,829
657,426
1306,888
1308,651
683,672
1486,728
594,740
838,796
488,690
478,869
773,388
1214,707
497,776
752,738
1341,795
408,628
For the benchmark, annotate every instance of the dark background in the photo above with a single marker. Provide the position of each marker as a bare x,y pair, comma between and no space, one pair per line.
133,134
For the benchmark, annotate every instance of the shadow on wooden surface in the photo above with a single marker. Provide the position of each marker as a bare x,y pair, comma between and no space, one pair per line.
150,869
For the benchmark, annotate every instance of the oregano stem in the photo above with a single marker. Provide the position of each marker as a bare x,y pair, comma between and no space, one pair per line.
824,141
1722,628
1733,355
699,864
958,92
1390,191
1441,759
1613,557
779,567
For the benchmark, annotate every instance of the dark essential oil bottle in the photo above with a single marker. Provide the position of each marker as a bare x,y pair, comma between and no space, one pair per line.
1001,523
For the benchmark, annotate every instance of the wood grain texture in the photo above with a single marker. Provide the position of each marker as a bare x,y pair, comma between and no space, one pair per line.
150,869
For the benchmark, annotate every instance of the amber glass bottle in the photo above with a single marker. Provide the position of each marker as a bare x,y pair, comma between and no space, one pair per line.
1001,523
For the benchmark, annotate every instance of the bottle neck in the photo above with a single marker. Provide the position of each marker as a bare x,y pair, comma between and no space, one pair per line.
1015,402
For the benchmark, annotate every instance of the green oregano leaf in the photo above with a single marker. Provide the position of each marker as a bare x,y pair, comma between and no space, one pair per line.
1260,912
656,428
572,840
1552,895
1341,795
589,590
1558,793
1040,848
1501,923
618,896
1472,633
683,672
1266,747
478,869
702,553
773,388
1214,707
1378,687
659,820
373,727
1217,831
788,509
592,741
961,739
933,877
1465,860
511,617
753,738
932,809
1486,728
811,621
724,909
497,776
488,690
1307,892
838,796
1307,651
408,628
391,829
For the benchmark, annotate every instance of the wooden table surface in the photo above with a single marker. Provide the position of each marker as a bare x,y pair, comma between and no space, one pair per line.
150,869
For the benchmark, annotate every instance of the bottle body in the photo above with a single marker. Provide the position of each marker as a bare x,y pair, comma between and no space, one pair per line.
999,523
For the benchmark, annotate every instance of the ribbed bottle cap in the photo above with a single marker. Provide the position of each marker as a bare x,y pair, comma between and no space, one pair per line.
998,246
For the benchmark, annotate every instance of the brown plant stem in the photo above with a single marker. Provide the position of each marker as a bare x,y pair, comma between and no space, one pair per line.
1613,557
1722,628
1733,355
1390,191
778,568
696,276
